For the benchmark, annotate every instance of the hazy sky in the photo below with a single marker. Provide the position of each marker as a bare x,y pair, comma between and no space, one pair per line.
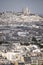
36,6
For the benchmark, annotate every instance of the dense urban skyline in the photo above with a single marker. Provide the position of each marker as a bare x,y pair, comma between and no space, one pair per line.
36,6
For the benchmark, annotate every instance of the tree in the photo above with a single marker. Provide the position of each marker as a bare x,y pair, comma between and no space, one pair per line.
42,64
34,41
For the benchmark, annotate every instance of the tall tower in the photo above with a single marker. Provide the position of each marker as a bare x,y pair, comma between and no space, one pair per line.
26,11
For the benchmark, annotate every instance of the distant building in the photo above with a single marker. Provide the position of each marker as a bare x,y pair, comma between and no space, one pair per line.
19,63
1,36
26,11
27,60
40,61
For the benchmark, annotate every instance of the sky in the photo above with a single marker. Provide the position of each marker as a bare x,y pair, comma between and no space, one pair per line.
35,6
